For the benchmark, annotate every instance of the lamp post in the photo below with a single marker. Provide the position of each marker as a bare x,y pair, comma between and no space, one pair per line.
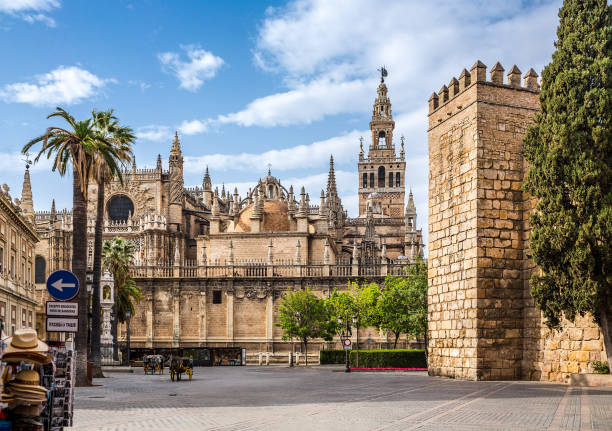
346,336
128,315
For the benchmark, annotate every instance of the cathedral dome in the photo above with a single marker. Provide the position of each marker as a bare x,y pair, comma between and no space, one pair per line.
275,217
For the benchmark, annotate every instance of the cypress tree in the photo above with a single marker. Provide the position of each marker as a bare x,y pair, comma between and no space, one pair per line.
569,151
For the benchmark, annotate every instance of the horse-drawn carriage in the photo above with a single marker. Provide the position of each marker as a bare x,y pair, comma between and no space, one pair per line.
153,364
180,365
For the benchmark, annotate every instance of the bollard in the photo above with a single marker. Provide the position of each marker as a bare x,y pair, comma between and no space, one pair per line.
267,358
260,358
297,358
289,356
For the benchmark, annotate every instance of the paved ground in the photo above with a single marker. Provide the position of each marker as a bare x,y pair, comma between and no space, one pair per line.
279,398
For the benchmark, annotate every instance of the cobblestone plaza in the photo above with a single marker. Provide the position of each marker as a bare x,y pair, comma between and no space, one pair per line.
321,398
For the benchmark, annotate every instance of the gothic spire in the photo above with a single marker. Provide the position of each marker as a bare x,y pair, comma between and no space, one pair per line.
176,146
207,183
159,163
27,205
53,212
331,179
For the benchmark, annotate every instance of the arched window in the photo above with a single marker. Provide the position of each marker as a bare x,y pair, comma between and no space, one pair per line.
270,192
119,208
106,293
372,179
382,142
390,179
40,268
397,180
381,176
365,180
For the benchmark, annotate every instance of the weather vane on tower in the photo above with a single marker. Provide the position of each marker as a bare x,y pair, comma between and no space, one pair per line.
27,160
383,73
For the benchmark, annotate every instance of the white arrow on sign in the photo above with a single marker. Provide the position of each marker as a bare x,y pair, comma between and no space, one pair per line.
60,286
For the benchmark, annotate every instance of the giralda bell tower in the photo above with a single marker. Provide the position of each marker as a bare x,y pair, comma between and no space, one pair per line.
382,173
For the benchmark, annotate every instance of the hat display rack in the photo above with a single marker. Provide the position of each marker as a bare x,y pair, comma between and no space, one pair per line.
37,382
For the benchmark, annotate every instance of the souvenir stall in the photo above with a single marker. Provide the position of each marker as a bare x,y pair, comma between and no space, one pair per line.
36,384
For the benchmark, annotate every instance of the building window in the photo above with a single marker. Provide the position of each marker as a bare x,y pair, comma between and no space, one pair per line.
381,176
390,179
397,179
30,318
40,269
119,208
12,268
365,180
372,179
1,260
217,297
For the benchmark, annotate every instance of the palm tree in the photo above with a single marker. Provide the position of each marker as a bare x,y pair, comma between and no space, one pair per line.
74,147
117,256
120,138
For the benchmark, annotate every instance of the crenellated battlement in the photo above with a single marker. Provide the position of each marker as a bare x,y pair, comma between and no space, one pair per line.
478,75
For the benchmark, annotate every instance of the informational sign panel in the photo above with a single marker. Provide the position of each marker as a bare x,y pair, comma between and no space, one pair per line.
62,324
62,309
347,344
63,285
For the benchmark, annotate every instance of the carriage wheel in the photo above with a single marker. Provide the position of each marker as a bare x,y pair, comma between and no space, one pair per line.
171,375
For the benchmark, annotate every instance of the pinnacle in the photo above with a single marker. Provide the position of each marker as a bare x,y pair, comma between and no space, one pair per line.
531,72
497,67
514,70
479,64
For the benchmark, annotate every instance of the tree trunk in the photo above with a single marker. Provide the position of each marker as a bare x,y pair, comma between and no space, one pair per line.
605,316
114,323
79,268
97,270
306,350
397,335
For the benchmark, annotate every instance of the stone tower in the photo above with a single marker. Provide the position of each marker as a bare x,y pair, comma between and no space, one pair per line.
175,195
27,205
477,230
381,173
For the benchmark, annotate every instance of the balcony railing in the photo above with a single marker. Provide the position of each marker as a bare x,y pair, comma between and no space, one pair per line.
277,269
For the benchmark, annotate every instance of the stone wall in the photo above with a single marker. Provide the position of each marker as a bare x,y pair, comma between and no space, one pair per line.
483,322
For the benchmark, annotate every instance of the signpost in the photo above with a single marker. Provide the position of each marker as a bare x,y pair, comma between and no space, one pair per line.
62,324
63,285
62,316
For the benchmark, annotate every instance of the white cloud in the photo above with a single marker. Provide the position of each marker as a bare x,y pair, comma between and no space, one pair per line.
64,85
30,10
327,52
154,133
303,104
193,127
201,65
315,155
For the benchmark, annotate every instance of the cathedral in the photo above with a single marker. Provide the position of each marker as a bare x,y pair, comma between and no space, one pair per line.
212,265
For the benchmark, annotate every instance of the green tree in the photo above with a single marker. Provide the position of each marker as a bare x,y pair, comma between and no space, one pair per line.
303,315
402,307
359,301
121,138
569,151
73,148
117,256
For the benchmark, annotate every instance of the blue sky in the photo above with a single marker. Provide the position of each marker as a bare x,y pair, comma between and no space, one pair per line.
247,83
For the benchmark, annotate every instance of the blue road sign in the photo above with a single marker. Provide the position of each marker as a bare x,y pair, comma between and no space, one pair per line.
63,285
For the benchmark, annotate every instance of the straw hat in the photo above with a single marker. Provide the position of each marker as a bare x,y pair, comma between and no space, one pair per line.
25,340
35,357
28,377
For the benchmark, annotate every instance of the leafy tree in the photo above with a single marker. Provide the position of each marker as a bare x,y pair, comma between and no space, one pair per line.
73,148
569,151
303,315
117,256
121,138
402,307
358,301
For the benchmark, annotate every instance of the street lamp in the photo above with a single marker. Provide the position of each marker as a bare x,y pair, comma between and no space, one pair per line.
346,336
128,315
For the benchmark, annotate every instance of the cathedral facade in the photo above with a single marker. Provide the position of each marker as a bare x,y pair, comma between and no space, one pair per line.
212,264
